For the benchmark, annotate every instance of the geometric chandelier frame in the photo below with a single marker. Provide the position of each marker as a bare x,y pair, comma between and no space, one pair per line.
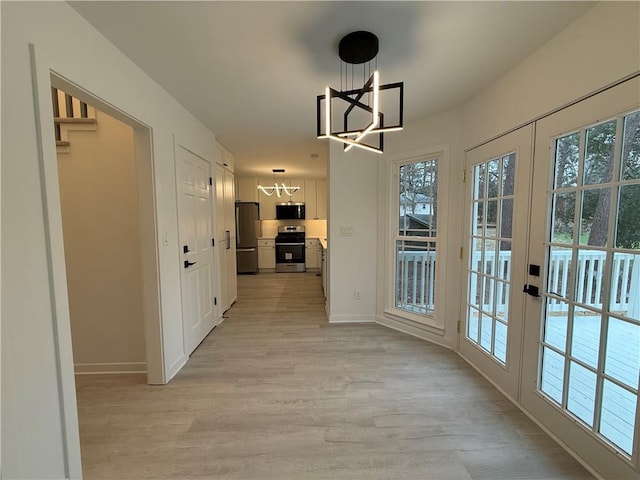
359,106
350,100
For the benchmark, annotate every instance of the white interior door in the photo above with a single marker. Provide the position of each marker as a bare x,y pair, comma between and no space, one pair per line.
581,364
196,247
497,184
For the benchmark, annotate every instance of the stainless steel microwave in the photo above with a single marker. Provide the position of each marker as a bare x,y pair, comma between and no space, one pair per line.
290,211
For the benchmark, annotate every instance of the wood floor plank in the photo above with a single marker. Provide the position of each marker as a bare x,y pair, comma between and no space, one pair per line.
276,392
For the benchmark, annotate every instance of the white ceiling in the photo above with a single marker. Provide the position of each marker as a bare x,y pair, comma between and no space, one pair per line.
251,71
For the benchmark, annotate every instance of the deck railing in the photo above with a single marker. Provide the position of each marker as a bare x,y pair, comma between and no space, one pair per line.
415,288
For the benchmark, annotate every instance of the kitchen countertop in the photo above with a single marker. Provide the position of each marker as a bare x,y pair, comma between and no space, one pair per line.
323,242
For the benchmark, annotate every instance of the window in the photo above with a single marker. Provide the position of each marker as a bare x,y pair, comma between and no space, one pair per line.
415,237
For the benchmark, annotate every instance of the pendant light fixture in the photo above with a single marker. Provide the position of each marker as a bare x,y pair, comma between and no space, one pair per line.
278,188
358,48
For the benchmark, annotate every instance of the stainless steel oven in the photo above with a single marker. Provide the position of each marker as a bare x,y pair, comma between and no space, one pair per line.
290,249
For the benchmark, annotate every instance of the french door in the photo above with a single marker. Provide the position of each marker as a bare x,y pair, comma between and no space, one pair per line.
581,357
497,202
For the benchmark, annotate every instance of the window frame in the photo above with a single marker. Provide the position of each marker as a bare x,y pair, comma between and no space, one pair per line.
434,321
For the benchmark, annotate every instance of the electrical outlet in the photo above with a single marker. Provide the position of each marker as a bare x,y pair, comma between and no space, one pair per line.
346,231
356,294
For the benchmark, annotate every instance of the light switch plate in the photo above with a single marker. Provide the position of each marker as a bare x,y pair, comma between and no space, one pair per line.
346,231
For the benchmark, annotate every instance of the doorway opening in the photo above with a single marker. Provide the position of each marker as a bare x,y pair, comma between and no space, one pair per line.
109,225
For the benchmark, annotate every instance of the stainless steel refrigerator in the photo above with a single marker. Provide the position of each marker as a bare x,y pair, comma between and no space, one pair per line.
247,232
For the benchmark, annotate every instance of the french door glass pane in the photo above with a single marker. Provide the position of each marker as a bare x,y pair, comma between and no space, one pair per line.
560,272
585,341
594,217
555,330
598,159
552,374
472,324
625,285
567,157
631,147
490,254
622,361
592,304
500,348
628,219
581,392
564,206
618,415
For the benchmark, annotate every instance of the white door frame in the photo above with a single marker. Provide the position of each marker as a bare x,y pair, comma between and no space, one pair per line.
147,218
43,79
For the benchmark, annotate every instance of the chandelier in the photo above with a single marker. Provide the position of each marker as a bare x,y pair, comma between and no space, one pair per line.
278,188
358,48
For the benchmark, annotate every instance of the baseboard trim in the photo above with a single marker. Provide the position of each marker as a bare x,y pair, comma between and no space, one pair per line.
345,318
109,368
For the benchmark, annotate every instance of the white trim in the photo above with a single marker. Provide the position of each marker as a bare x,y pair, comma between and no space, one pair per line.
149,262
52,213
415,329
355,318
441,153
175,367
576,457
110,368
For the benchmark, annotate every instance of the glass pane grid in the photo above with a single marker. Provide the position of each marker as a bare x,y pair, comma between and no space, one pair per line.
592,313
490,255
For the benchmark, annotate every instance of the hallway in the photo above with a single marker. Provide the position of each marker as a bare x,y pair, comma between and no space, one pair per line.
276,392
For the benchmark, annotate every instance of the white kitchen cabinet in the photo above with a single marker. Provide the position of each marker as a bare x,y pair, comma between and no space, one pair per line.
267,203
311,254
321,199
266,254
228,161
247,189
315,199
297,197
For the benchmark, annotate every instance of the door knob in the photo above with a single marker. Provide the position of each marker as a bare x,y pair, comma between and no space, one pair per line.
187,263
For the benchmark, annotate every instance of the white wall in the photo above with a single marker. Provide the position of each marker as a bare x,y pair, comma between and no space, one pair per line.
99,199
600,47
38,401
353,204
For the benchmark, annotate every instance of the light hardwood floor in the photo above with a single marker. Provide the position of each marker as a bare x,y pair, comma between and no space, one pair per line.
276,392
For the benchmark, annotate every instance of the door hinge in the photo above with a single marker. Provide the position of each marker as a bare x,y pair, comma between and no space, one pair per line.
213,242
461,251
210,180
458,326
464,176
215,300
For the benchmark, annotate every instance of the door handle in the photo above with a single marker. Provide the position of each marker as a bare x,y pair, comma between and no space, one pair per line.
187,263
531,290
